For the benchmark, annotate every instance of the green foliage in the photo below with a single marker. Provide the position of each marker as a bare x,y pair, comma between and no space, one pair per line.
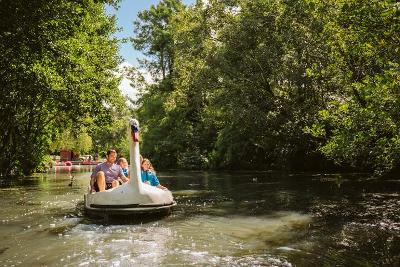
366,136
112,136
281,84
79,143
55,66
361,122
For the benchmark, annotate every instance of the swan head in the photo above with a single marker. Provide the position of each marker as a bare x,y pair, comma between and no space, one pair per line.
134,125
134,122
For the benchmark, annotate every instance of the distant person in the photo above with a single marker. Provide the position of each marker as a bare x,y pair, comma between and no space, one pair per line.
105,175
148,174
124,165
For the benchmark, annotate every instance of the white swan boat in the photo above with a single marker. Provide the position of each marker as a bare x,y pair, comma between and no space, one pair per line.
134,198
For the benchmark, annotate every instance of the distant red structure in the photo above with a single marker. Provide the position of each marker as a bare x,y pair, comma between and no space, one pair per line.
68,155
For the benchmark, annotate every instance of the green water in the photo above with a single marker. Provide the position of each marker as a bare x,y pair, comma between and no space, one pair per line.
222,219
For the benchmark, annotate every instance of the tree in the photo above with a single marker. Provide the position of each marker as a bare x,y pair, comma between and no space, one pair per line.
80,143
153,37
277,84
56,71
360,126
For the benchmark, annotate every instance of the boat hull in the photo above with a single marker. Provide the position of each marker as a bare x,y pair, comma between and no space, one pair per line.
129,210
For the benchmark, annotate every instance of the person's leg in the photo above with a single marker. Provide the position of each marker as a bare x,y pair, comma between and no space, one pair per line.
101,181
115,183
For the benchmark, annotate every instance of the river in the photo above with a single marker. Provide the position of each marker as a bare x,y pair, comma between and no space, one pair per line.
222,219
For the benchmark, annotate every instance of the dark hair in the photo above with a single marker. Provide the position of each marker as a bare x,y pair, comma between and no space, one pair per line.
111,151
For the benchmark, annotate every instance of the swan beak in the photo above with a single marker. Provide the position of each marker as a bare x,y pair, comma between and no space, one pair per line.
135,132
135,136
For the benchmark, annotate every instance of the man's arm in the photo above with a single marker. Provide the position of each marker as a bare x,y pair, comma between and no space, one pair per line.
124,178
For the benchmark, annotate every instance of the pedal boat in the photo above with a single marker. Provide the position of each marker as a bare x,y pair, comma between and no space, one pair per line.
133,198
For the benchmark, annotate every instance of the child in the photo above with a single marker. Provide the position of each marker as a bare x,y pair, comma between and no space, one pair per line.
124,165
149,175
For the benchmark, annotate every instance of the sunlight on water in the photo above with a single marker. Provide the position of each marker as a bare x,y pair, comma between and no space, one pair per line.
233,222
118,245
241,234
200,240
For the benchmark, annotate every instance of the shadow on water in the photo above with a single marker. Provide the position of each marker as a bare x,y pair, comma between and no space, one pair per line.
248,194
12,182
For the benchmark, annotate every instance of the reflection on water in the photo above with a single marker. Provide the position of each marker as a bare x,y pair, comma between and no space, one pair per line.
222,219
